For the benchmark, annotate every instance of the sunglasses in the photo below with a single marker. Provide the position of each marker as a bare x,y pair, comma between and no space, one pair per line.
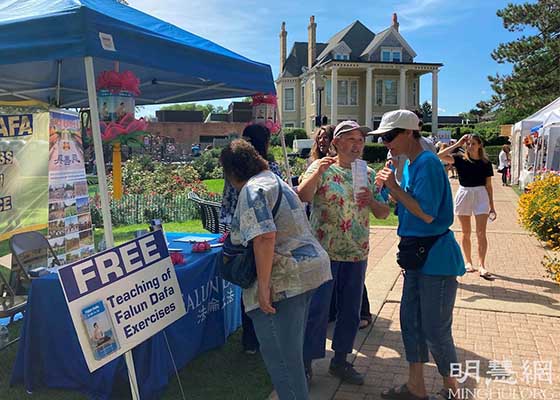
388,137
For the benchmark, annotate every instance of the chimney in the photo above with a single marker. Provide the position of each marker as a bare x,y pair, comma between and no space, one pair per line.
311,41
283,37
395,22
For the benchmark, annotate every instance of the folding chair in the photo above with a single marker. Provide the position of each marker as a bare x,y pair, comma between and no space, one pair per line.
210,214
10,304
29,250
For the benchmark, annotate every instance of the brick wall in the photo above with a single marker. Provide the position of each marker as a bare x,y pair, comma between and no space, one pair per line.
191,132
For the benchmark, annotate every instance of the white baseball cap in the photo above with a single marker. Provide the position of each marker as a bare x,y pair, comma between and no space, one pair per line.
403,119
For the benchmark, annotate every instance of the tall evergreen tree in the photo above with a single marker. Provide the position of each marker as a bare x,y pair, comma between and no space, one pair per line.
535,77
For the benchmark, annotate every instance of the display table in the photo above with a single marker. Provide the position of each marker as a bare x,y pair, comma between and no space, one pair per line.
49,353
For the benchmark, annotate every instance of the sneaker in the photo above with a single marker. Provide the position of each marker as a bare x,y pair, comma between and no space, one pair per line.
346,373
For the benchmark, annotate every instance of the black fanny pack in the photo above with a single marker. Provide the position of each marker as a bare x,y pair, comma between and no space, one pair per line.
413,250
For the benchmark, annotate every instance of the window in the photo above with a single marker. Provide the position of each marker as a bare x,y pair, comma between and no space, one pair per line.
339,56
313,91
414,92
347,94
391,54
302,126
386,92
288,124
302,105
289,99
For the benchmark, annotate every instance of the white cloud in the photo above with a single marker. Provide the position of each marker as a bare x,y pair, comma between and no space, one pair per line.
419,14
441,109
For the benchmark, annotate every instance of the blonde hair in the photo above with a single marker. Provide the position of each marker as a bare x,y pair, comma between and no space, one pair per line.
481,152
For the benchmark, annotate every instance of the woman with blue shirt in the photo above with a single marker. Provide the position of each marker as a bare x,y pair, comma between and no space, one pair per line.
425,214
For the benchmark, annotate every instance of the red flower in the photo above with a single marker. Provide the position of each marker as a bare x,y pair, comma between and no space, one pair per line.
324,215
341,202
365,245
346,225
322,190
333,197
320,234
337,178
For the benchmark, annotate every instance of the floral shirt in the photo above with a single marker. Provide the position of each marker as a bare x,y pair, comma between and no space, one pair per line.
299,263
229,197
341,226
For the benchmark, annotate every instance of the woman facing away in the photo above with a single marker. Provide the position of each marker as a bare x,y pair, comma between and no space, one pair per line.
474,197
290,264
504,164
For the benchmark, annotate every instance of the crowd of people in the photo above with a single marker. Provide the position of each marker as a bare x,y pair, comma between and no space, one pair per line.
311,246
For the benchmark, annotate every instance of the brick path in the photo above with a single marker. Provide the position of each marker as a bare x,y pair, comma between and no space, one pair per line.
515,318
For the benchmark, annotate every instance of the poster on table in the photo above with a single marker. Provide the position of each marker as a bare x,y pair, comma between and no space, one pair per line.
121,297
24,154
69,217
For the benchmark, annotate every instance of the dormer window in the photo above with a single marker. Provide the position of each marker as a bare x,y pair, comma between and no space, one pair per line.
391,54
339,56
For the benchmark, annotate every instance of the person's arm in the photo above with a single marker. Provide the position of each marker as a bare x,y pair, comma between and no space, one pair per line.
308,185
446,154
379,209
490,193
263,247
387,177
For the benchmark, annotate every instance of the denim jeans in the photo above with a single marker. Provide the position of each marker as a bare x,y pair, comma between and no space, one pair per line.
248,337
281,343
426,318
348,281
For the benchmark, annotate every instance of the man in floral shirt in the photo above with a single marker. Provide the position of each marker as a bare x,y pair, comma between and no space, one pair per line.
340,221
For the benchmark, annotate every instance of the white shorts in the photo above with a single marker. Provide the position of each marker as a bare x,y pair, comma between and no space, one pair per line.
472,200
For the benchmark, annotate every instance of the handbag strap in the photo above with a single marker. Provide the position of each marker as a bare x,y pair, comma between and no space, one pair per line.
279,198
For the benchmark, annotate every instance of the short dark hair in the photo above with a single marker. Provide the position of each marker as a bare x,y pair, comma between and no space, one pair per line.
241,161
259,136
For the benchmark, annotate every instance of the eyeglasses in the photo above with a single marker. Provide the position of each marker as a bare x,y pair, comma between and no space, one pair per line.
388,137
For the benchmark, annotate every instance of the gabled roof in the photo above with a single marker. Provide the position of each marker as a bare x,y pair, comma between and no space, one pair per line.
298,59
356,36
380,38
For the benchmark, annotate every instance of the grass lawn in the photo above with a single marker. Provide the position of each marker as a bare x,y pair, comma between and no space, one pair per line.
214,185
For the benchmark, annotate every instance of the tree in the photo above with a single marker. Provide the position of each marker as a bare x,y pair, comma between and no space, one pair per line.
426,109
205,108
535,77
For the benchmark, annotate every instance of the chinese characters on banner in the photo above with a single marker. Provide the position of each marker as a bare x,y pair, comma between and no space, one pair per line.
24,153
70,228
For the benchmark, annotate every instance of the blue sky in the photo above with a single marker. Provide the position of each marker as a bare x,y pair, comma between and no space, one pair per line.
461,34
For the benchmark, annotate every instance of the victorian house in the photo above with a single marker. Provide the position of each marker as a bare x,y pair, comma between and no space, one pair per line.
357,75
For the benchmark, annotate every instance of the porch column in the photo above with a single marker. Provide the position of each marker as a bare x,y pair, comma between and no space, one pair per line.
402,86
434,102
334,95
369,97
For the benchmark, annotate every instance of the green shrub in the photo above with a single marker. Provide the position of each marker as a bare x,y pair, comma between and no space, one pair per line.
492,152
208,164
295,133
375,153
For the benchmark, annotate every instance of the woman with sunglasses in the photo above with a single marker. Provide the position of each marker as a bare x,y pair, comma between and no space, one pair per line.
425,214
474,197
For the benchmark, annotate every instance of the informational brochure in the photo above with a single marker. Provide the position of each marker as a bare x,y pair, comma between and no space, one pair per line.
359,176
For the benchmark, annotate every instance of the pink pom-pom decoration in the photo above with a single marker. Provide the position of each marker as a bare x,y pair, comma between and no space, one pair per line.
177,258
116,82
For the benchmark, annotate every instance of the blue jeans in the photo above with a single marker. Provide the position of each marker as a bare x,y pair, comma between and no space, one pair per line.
281,343
426,318
348,279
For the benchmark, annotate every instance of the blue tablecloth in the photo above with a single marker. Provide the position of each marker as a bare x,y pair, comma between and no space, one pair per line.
49,353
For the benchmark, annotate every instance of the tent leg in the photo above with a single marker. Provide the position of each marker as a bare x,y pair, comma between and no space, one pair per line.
105,210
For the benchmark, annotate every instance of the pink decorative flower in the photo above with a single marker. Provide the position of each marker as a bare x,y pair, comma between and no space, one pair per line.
346,225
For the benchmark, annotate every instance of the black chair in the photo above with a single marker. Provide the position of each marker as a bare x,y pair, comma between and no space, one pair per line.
10,304
29,250
209,213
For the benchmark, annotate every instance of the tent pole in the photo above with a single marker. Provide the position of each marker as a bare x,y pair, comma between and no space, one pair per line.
59,65
105,210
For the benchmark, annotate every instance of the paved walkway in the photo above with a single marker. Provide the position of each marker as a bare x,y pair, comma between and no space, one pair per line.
514,320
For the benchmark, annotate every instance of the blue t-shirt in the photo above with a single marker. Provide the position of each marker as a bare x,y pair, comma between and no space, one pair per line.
426,181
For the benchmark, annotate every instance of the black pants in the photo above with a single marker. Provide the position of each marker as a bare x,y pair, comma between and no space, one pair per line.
504,173
365,312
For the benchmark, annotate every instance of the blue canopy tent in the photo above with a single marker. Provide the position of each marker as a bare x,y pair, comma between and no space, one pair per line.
50,50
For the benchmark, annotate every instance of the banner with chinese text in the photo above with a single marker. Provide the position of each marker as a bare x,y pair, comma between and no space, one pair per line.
70,229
